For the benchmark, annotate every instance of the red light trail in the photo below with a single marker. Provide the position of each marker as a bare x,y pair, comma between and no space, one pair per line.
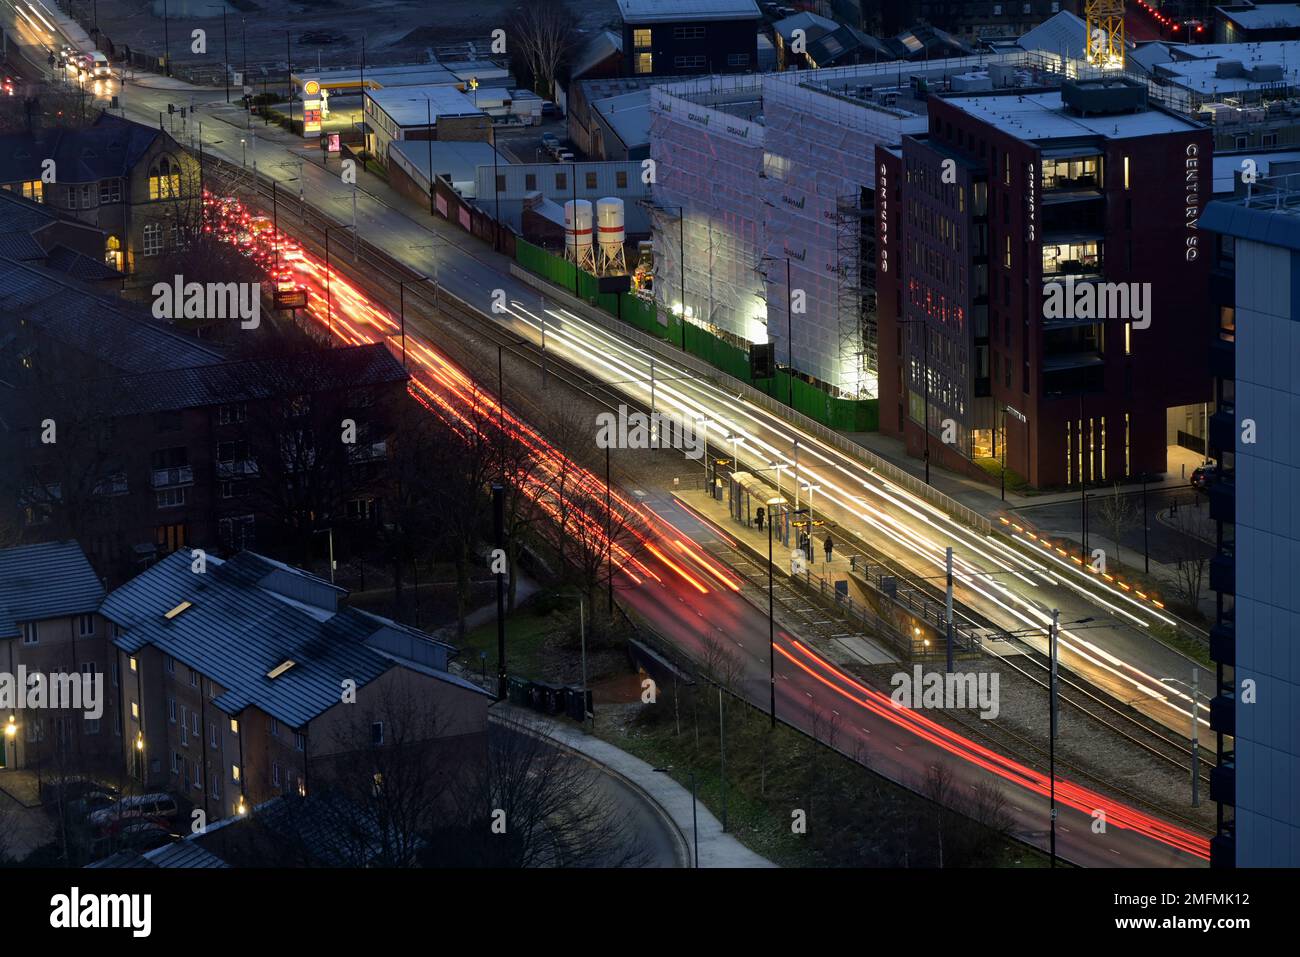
447,392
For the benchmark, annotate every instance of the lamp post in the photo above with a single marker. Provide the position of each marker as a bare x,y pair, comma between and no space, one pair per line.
789,331
401,300
1195,689
681,258
329,293
771,613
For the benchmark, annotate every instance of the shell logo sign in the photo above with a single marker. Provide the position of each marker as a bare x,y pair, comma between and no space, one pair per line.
311,110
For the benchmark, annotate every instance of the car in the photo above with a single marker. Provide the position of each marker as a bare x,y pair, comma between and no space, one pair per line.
1203,475
550,109
139,836
79,794
158,807
550,141
99,65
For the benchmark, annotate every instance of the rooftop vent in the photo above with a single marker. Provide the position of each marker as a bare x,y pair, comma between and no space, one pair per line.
1093,97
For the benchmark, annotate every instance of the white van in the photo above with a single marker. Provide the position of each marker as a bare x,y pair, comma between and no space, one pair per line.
99,65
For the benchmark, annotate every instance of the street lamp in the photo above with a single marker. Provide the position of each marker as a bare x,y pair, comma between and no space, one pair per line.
681,258
329,300
1053,633
695,821
1195,689
789,330
1022,418
771,612
401,300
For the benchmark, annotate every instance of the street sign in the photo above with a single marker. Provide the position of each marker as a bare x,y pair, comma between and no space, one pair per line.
290,298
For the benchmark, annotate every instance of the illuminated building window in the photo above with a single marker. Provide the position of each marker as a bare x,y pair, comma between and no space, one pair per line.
644,63
641,39
165,179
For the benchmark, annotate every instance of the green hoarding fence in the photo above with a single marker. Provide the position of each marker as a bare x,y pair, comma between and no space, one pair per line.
845,415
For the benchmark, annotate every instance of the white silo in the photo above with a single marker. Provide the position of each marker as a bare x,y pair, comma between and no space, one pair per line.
611,233
578,239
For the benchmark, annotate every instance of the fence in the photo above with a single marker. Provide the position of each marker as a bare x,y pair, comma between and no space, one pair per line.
849,415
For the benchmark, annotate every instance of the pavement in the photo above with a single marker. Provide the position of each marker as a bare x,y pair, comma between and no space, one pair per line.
668,800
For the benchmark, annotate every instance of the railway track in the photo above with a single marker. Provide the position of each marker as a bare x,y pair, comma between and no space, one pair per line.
377,272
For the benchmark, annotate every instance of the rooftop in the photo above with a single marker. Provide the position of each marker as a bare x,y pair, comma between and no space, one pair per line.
246,616
1269,213
628,115
1267,16
122,337
671,11
109,147
457,160
810,23
50,580
1042,116
419,105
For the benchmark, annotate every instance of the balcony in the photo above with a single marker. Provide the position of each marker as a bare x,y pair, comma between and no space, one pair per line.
112,485
1223,642
1223,713
1223,573
1223,429
1223,781
236,469
173,477
1223,500
1223,359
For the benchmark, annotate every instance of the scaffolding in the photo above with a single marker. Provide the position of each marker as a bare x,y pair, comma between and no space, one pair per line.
856,307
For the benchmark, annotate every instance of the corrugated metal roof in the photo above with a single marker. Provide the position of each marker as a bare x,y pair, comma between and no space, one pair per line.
1274,227
121,337
237,630
49,580
183,854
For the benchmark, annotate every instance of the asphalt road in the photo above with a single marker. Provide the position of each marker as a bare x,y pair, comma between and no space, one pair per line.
998,579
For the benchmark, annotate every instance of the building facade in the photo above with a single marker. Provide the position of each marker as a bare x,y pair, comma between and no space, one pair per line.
682,37
1046,286
1256,448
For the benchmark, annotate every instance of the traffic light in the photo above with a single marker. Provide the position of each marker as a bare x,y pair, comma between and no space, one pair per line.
762,360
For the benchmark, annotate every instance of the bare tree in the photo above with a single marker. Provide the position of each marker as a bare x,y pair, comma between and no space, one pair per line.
1189,556
538,805
541,33
1119,512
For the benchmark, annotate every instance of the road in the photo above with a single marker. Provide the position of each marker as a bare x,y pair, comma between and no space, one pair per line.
886,517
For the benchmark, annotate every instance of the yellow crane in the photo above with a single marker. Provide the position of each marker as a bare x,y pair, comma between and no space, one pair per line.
1104,22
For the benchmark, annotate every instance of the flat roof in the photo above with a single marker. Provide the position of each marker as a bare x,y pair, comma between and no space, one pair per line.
628,115
457,160
669,11
1042,116
419,74
416,106
1264,17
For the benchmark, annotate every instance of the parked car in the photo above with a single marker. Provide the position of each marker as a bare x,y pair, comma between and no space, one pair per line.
550,110
160,808
137,836
550,141
1203,475
78,796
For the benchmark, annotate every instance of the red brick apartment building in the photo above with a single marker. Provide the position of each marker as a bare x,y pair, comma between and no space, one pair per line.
1008,193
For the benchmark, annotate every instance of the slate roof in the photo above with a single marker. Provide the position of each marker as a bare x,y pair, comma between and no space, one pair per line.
49,580
185,853
79,266
250,380
238,629
124,338
109,147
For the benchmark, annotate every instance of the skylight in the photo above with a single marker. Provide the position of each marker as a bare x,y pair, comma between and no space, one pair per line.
178,609
281,668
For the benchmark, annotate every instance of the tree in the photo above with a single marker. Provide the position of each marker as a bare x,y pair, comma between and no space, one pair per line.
541,33
1119,512
1189,556
536,804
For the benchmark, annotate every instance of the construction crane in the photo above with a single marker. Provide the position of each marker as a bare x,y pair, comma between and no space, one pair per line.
1104,21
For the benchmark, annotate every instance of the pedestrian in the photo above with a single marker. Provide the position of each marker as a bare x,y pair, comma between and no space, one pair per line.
828,547
805,545
758,518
